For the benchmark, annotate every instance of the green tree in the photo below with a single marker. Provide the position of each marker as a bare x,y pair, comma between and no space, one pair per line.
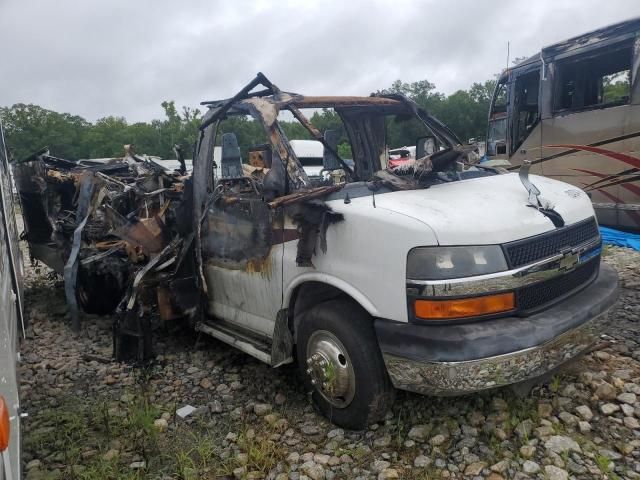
29,127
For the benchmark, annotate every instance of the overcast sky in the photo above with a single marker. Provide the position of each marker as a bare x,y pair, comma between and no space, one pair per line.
121,57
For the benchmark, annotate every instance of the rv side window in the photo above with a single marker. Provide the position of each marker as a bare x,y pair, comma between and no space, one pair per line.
600,79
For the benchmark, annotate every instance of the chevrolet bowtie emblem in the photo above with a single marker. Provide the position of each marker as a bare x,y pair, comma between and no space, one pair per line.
569,261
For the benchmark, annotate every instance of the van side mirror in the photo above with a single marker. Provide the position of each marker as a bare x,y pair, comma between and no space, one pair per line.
329,160
425,146
231,163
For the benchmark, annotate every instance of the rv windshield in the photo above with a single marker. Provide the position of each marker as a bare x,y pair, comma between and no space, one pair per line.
497,136
497,130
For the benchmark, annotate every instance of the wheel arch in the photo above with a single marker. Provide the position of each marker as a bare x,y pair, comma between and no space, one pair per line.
310,292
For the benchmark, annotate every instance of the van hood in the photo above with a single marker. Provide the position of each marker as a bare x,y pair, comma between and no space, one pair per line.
487,210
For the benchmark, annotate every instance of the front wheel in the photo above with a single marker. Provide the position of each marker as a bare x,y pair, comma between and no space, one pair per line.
340,361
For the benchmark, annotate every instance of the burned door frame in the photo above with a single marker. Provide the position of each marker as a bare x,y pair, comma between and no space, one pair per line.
238,235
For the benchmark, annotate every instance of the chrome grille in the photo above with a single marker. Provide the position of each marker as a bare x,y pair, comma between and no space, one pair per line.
540,294
532,249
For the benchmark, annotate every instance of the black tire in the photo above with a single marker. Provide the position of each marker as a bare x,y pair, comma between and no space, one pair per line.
353,327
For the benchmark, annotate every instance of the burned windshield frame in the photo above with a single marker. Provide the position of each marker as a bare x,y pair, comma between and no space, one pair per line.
361,117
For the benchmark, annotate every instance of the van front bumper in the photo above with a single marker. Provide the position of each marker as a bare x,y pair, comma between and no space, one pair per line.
463,358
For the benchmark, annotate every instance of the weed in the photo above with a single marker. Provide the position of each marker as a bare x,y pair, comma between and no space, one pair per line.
606,466
330,376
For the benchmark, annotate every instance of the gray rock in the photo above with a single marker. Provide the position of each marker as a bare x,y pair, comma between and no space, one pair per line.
606,391
438,440
530,467
310,430
421,461
628,410
610,454
568,418
239,472
33,464
293,457
545,409
379,465
388,474
321,459
475,468
161,424
500,467
628,398
544,431
261,409
559,444
631,422
585,412
468,431
419,432
555,473
382,441
584,427
609,408
527,451
313,470
576,468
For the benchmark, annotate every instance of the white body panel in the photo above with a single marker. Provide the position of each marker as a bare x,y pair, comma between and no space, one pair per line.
366,256
247,298
487,210
367,252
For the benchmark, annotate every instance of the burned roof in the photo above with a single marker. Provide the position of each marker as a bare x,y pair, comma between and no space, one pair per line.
610,33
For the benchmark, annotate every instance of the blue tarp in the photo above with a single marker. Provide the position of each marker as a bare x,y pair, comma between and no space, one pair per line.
619,238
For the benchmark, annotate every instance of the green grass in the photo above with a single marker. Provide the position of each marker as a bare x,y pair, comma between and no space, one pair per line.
604,464
184,452
554,385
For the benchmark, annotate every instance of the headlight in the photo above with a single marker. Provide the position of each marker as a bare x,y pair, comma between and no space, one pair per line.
443,263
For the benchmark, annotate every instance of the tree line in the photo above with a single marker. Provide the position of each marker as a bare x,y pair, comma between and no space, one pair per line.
29,127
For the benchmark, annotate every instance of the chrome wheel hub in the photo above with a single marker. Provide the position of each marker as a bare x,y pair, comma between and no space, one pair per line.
330,369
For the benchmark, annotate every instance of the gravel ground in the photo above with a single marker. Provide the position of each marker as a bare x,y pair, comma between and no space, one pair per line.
91,418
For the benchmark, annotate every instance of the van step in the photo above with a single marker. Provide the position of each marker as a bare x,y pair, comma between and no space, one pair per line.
238,337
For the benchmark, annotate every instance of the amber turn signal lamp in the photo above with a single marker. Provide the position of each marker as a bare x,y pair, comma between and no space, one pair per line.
464,307
5,427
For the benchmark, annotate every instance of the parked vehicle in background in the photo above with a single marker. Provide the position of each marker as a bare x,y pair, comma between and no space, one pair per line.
398,156
11,323
311,156
573,110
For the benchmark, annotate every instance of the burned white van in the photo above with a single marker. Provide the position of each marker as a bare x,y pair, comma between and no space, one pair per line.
437,276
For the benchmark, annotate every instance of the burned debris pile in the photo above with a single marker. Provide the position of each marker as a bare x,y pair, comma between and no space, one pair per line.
109,227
